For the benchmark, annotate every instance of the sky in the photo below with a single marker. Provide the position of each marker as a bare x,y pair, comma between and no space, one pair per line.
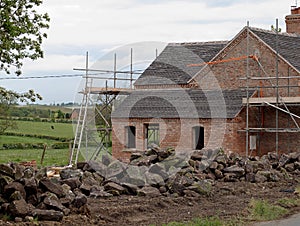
105,27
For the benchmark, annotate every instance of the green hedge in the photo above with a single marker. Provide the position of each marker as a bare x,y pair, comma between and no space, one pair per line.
23,146
62,139
60,145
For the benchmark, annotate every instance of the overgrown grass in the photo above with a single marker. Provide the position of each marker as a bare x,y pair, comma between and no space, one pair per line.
288,203
53,157
209,221
64,130
262,210
17,139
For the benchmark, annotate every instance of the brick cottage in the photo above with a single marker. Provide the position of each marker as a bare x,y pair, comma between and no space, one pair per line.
238,95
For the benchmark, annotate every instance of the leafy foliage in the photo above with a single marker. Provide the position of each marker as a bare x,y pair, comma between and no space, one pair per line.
21,32
7,99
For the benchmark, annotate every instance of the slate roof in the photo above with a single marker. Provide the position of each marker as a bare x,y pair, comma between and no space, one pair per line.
170,67
181,103
288,44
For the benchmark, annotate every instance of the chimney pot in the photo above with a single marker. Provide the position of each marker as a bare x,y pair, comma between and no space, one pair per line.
293,21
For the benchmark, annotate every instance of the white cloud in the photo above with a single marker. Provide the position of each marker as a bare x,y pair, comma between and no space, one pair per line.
97,26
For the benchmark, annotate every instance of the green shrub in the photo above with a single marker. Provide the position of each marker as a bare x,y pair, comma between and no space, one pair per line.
262,210
61,145
23,146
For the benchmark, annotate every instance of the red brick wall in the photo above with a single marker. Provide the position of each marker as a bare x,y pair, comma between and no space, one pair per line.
228,134
228,75
293,21
178,133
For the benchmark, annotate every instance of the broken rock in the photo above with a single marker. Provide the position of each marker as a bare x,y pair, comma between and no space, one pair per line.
79,201
238,171
48,185
148,191
47,215
18,208
12,187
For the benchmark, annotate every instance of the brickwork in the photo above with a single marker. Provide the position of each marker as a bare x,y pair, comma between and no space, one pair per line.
229,75
178,133
293,21
227,133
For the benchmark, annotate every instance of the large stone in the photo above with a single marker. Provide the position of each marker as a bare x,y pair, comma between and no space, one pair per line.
261,177
115,169
176,161
135,155
19,171
284,159
48,185
165,153
238,171
230,177
294,156
15,196
30,186
290,167
213,165
203,165
174,185
100,194
135,175
197,155
69,195
18,208
7,170
159,168
29,172
154,179
4,180
218,174
41,173
79,201
12,187
130,188
47,215
99,167
52,202
114,188
148,191
201,187
250,177
70,173
72,182
272,156
221,159
145,160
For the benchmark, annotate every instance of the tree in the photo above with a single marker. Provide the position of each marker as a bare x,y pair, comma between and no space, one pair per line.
9,98
21,32
5,102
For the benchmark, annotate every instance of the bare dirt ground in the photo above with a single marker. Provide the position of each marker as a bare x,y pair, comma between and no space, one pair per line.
228,201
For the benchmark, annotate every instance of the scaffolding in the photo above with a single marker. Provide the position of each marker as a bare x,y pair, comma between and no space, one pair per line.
277,102
93,125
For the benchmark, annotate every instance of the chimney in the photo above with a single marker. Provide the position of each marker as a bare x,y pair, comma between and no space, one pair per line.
293,21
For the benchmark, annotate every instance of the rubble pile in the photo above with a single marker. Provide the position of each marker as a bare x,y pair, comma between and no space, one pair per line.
27,193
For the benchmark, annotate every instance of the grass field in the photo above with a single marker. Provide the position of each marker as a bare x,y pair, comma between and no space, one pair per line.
17,139
64,130
53,157
56,157
46,107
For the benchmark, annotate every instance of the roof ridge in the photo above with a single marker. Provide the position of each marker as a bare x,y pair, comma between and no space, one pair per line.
197,43
274,32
